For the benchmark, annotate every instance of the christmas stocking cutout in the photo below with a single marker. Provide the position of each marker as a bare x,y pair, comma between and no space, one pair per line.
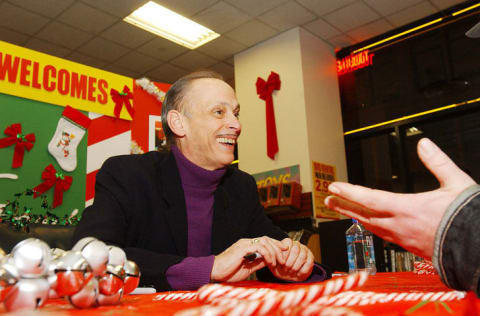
70,130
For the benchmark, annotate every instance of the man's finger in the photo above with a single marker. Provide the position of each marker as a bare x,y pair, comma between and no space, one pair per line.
377,200
442,167
350,209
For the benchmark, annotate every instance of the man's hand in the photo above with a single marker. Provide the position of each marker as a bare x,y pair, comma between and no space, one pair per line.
409,220
230,266
298,263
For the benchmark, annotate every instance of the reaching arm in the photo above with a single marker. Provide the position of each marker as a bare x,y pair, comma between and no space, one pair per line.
410,220
442,223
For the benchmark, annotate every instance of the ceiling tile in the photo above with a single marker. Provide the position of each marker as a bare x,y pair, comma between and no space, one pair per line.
86,60
255,7
224,69
47,48
221,17
186,7
221,48
251,33
63,35
20,20
286,16
321,29
351,16
444,4
411,14
386,7
137,62
162,49
127,35
193,60
167,73
341,41
122,71
86,18
103,49
370,30
324,6
12,37
119,8
50,8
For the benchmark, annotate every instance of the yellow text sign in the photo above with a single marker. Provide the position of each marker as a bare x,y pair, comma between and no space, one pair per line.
322,176
33,75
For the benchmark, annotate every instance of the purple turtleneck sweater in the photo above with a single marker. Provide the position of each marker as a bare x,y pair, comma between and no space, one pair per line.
199,186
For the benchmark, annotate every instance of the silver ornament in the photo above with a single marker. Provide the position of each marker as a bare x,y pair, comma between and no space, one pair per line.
114,299
132,277
87,296
95,252
31,257
112,281
116,256
8,278
70,273
27,294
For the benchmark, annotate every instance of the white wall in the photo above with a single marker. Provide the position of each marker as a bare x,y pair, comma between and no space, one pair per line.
322,103
307,106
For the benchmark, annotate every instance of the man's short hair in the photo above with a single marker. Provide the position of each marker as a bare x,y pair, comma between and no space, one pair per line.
174,99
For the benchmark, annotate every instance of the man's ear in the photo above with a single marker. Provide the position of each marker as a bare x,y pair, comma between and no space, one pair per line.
176,123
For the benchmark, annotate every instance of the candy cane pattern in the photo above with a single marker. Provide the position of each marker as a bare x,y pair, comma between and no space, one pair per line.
424,268
182,296
232,301
352,298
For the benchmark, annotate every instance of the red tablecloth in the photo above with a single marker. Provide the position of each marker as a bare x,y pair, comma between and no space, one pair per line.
383,294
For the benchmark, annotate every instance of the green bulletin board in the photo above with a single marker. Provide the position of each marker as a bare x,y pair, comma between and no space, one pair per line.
41,119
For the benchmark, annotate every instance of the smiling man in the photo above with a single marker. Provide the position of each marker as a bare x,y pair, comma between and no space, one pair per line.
187,217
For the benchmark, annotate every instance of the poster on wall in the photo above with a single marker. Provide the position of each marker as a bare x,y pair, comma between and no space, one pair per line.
37,76
45,125
322,176
277,176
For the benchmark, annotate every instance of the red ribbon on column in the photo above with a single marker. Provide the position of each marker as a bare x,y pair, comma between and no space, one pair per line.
21,142
264,91
52,178
121,98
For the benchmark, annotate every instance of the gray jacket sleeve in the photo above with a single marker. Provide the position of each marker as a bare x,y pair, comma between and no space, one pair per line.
456,254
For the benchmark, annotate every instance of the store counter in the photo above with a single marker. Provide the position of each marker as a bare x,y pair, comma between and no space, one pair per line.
402,293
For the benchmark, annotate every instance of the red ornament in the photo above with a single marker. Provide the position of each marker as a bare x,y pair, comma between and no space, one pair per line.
264,91
21,142
121,98
52,178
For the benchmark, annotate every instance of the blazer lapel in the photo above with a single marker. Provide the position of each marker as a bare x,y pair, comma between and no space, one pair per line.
174,196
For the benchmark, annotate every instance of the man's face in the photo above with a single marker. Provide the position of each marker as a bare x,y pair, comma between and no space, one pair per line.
211,123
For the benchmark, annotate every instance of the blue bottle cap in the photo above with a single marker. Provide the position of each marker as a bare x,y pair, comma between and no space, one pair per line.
355,221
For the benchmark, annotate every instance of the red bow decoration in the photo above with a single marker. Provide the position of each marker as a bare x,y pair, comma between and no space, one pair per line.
52,178
21,142
264,91
121,98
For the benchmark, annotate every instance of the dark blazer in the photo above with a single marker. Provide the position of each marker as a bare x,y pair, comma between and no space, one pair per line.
140,206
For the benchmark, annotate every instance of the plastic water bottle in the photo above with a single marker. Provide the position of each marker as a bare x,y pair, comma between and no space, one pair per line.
361,255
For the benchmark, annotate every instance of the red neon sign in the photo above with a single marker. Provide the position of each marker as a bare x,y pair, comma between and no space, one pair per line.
354,62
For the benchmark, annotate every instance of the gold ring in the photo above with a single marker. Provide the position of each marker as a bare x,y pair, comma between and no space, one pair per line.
255,240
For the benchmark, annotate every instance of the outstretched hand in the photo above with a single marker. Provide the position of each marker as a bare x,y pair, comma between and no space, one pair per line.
409,220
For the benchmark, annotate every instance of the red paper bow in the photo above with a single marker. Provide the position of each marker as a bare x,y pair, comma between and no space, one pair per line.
50,178
121,98
21,142
264,91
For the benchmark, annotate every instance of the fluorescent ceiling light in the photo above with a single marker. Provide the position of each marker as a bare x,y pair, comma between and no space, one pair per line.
161,21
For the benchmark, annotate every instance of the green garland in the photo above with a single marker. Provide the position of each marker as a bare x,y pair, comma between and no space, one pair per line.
19,218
